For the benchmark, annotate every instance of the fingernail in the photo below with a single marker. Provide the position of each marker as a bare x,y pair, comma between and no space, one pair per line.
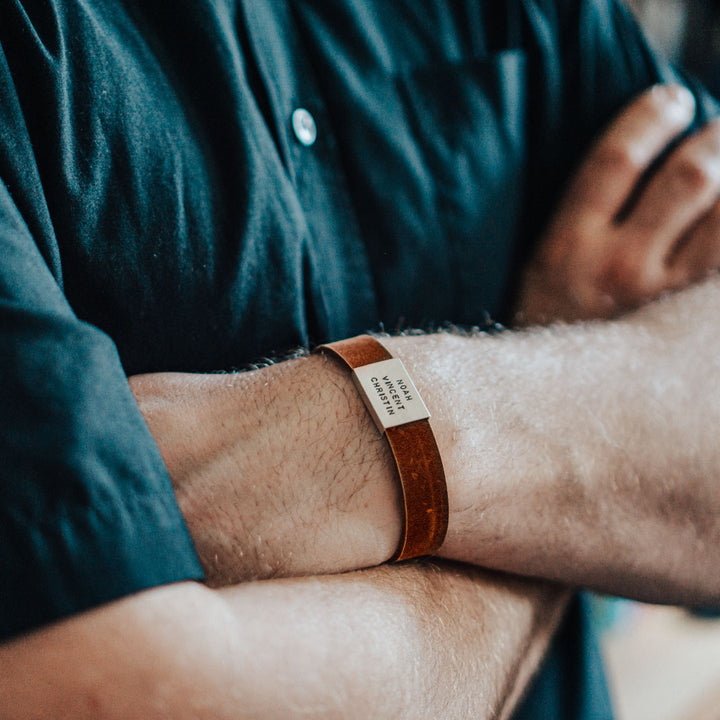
675,99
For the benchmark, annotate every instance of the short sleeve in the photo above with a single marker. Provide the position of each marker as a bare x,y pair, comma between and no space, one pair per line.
88,512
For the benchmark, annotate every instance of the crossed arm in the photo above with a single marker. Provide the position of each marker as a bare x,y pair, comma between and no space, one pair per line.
580,453
584,454
406,642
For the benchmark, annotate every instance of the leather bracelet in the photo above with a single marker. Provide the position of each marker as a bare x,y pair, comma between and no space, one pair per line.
400,414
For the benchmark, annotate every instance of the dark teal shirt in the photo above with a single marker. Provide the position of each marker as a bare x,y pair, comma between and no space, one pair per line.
158,212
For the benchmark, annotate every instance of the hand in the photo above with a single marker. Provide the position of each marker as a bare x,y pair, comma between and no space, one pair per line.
620,238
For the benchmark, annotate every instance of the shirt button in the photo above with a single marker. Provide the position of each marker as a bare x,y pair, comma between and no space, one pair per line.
304,127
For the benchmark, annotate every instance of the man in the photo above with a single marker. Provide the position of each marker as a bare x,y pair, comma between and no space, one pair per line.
222,222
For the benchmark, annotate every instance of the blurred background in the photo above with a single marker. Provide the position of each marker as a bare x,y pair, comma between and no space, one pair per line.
687,32
663,663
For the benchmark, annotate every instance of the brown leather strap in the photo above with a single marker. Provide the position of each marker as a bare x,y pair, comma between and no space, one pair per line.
358,351
424,491
418,461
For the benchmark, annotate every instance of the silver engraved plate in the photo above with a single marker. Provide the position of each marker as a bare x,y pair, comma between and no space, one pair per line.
389,393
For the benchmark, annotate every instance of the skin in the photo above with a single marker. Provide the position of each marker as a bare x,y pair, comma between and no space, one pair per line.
600,438
618,239
417,641
597,438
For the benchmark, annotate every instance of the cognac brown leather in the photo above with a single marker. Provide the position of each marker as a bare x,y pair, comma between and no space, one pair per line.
418,461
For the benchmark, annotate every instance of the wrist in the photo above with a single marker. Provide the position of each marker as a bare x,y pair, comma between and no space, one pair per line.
435,362
397,408
278,471
356,470
490,458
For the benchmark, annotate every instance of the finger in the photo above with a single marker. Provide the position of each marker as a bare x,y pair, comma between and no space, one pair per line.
699,254
630,278
682,191
621,155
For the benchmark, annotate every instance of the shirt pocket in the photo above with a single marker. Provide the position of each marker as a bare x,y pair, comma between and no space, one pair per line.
437,157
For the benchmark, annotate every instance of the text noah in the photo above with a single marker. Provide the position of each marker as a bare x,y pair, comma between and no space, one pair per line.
392,394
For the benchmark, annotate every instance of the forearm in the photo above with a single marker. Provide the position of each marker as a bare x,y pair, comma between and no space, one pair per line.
585,454
278,472
588,454
405,642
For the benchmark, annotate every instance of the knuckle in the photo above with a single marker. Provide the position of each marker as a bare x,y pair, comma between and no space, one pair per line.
694,175
619,158
627,278
621,275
